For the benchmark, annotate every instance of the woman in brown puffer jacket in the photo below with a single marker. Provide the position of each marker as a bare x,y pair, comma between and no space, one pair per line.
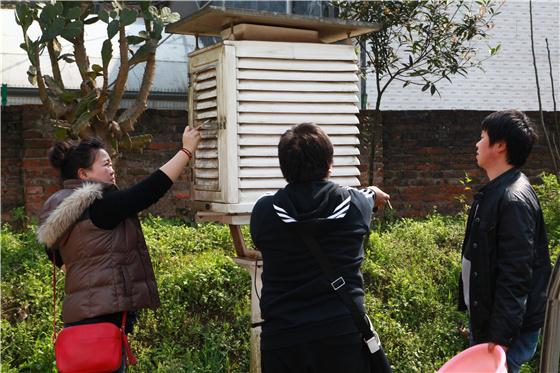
91,228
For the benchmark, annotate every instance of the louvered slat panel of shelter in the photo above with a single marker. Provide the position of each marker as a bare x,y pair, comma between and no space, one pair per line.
280,89
204,104
246,94
270,72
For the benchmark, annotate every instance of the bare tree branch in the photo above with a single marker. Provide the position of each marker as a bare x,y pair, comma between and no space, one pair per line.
45,99
104,94
54,63
556,128
122,76
82,60
128,118
545,131
551,83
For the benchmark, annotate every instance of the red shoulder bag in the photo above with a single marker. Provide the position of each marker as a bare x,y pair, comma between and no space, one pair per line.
90,348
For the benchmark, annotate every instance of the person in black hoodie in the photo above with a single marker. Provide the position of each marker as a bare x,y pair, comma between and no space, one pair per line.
506,263
306,326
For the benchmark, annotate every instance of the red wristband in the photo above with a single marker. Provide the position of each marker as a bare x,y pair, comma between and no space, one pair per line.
187,152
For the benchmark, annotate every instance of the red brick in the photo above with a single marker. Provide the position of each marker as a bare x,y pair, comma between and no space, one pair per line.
36,163
35,153
38,143
32,209
34,190
52,189
35,198
164,146
33,134
420,157
182,195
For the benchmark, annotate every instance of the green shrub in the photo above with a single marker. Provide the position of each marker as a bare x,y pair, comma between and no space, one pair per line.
203,322
549,196
202,325
411,273
168,237
27,308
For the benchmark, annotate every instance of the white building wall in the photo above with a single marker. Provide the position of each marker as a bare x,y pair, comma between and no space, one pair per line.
508,80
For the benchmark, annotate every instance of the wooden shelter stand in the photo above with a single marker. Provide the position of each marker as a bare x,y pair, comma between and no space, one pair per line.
251,260
254,267
240,246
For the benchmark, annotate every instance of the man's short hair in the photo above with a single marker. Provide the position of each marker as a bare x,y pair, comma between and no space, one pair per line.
515,129
305,153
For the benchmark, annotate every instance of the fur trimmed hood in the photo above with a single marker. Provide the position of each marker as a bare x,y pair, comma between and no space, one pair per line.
66,211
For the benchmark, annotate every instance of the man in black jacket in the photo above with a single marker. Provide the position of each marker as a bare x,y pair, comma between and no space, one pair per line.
307,328
506,263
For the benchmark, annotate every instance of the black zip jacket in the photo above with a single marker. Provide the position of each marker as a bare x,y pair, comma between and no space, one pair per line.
506,242
297,301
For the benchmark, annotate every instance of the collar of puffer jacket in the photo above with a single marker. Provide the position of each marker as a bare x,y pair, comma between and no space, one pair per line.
69,209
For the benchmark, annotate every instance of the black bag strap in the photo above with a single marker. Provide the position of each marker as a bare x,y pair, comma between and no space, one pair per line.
54,299
339,286
379,362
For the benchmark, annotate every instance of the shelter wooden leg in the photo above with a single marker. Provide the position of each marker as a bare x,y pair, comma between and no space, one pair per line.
239,243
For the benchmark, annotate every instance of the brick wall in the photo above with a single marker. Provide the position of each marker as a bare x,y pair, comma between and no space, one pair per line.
39,179
427,153
28,179
420,158
12,152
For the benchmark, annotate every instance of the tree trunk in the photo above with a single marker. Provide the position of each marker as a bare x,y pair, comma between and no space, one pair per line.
543,125
376,148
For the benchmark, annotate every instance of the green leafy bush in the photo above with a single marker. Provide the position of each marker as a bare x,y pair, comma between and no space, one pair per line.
549,196
411,273
202,325
27,304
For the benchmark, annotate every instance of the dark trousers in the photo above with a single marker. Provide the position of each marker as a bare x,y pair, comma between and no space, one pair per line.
521,350
340,354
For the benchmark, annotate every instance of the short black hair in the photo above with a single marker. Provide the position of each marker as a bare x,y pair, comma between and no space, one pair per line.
306,153
69,156
516,129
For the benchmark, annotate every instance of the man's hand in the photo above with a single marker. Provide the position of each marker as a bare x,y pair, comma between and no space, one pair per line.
381,197
492,346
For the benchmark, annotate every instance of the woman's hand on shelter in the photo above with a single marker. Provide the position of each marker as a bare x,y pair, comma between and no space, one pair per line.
191,138
175,166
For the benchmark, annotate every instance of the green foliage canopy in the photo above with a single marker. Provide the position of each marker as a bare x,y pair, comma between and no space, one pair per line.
422,42
92,110
411,273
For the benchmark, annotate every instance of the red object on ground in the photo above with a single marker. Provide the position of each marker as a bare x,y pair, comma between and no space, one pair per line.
477,359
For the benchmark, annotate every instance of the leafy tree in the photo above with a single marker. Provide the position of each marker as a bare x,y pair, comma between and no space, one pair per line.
93,110
421,42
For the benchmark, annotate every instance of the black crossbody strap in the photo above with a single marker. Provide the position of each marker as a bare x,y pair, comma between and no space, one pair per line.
339,286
